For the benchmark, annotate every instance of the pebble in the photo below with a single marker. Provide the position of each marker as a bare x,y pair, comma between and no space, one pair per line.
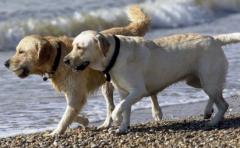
93,145
188,132
55,143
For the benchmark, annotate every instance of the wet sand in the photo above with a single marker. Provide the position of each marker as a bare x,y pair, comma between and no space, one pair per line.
182,126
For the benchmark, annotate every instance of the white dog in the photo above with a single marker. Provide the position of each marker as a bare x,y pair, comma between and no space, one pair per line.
142,68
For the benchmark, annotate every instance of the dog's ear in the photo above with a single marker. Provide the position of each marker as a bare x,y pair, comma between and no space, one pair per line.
102,43
44,51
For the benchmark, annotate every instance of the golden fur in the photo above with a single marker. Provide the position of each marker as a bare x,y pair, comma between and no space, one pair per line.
138,27
35,55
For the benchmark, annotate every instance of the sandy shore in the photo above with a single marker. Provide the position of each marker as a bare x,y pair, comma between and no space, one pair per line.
182,126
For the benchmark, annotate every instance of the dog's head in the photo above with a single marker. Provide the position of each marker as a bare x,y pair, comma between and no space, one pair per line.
31,57
89,48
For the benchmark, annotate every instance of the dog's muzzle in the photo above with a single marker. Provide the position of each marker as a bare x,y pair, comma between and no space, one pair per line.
24,73
82,66
66,61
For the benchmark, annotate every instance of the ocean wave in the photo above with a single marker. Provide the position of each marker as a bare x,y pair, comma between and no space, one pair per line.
164,13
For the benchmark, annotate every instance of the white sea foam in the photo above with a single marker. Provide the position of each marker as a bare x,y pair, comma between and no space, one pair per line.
17,23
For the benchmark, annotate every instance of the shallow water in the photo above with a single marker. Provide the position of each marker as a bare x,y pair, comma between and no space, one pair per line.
30,105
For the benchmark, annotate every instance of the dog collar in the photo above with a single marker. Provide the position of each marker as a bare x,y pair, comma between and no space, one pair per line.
113,59
55,64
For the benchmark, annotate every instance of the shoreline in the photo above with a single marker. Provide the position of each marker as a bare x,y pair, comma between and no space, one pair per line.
182,125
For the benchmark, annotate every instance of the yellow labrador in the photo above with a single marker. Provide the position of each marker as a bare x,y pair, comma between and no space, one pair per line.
43,55
140,68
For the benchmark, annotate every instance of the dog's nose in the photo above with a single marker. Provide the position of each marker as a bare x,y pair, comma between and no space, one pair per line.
66,61
7,63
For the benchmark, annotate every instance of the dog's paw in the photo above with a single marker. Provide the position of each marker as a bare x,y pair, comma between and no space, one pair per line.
103,126
47,134
53,133
157,117
56,132
122,131
211,125
106,124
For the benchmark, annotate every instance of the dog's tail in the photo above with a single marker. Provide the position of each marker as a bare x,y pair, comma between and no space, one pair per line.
139,25
140,21
229,38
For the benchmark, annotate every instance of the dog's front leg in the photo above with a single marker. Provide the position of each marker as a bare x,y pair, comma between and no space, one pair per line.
107,91
67,118
74,104
125,106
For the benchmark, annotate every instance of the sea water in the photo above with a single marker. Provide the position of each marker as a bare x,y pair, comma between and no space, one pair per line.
30,105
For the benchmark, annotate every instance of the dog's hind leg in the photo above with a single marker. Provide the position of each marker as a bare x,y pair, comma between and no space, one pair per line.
156,110
107,91
209,109
194,81
212,76
222,106
213,89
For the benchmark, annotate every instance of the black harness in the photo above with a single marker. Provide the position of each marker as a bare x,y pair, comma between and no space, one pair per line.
55,64
113,59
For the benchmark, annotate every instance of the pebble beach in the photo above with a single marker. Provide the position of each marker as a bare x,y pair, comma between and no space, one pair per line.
184,128
30,108
189,132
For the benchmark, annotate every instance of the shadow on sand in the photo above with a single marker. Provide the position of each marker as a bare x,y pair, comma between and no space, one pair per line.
188,125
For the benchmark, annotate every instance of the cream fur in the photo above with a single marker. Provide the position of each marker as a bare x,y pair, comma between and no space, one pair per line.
147,67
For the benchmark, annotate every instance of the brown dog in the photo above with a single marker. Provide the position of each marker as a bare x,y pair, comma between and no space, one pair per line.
44,55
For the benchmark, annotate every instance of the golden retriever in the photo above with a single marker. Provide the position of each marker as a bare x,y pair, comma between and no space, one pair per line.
140,68
37,55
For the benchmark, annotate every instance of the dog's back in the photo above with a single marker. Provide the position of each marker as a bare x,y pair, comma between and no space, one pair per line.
173,58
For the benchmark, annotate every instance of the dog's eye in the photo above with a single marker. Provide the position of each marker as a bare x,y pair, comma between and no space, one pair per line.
20,52
80,48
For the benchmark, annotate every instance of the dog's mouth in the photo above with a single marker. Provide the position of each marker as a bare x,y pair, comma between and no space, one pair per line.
82,66
21,72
